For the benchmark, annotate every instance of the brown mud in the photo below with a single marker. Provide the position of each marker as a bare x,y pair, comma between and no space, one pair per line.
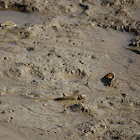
59,47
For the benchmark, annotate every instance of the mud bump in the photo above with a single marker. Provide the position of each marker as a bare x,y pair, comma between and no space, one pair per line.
8,24
31,95
79,108
13,72
75,72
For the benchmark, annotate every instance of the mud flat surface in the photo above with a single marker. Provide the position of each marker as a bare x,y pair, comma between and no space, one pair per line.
52,70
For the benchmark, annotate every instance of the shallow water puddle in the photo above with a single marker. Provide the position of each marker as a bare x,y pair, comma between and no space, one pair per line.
20,18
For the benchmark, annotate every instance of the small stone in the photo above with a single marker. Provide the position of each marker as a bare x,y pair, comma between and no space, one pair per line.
8,120
73,71
44,104
11,111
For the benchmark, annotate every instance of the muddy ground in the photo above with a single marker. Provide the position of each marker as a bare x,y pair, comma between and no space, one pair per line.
64,49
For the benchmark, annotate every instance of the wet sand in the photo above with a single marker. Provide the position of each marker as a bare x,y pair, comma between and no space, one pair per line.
70,50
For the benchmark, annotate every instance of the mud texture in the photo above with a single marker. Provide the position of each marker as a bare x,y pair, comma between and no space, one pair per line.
77,44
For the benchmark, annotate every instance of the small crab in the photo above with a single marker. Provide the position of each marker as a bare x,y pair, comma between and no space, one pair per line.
109,80
109,76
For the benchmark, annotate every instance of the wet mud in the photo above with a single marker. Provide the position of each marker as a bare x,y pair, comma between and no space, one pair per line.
71,74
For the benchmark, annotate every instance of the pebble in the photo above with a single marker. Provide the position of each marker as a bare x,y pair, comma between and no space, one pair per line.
73,71
44,104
